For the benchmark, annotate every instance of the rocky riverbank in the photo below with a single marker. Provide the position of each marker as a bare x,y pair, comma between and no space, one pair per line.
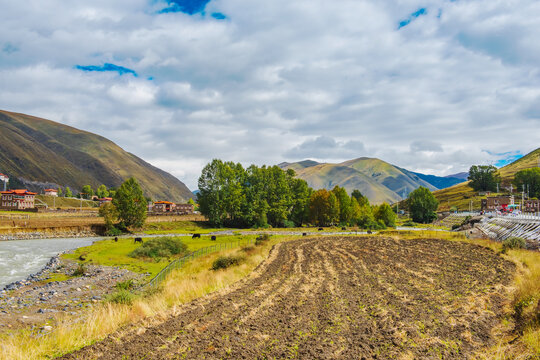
62,288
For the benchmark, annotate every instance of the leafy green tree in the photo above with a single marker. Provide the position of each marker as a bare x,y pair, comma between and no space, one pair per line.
60,193
191,202
385,214
422,205
345,209
102,191
68,192
211,193
301,193
528,179
87,192
484,177
109,213
361,199
131,204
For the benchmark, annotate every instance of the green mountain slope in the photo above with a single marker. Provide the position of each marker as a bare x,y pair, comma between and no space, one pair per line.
377,179
48,152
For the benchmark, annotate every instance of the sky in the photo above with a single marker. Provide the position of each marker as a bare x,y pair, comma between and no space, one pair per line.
431,86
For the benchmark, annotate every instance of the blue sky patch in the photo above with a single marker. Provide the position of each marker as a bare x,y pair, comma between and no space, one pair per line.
505,158
219,16
189,7
107,67
414,15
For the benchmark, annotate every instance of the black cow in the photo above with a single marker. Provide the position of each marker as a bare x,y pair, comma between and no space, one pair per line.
213,238
343,228
369,232
321,229
195,236
116,239
304,234
137,240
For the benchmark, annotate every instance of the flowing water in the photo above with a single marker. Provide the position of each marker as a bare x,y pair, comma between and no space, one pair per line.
20,258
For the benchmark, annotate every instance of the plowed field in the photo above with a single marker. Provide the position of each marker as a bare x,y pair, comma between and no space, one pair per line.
338,298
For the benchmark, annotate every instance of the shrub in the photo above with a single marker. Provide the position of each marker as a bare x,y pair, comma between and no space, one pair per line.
288,224
409,223
125,285
80,270
113,231
261,239
121,296
456,226
224,262
514,242
159,247
248,248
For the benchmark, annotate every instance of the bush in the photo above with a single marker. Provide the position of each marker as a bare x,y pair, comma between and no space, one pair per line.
114,231
122,296
159,247
410,223
261,239
125,285
455,226
224,262
80,270
288,224
514,242
248,248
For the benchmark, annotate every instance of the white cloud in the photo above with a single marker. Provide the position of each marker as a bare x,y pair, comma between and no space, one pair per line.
281,80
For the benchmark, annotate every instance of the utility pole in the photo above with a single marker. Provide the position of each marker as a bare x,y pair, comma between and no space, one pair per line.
497,188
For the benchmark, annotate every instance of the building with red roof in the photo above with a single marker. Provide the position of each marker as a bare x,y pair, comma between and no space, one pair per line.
51,192
164,206
17,199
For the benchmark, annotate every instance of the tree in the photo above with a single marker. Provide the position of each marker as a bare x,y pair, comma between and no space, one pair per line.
422,205
361,199
529,180
211,193
68,192
87,192
60,194
319,207
385,214
484,177
345,210
102,192
109,213
131,204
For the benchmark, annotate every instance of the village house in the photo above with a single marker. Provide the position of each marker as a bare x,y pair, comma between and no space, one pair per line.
17,199
497,203
51,192
531,206
105,200
186,209
164,206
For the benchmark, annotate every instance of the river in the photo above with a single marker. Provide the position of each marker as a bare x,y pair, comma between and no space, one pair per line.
20,258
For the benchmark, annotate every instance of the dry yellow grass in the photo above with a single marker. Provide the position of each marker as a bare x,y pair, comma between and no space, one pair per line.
192,281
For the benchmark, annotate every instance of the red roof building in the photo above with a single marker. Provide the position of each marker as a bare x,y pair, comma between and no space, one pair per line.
51,192
164,206
17,199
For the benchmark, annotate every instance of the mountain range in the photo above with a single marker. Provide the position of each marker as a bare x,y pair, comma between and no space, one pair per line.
42,153
375,178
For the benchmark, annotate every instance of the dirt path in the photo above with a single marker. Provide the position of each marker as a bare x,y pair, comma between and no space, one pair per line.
338,298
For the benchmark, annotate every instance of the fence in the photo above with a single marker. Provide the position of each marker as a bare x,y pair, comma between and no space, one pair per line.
178,263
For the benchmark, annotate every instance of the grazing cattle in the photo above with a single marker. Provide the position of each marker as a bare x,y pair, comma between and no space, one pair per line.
196,236
82,257
116,239
321,229
304,234
213,238
137,240
369,232
343,228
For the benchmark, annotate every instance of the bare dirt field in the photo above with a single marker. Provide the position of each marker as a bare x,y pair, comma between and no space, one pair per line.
337,298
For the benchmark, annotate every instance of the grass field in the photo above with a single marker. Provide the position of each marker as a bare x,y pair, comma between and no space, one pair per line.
62,202
111,253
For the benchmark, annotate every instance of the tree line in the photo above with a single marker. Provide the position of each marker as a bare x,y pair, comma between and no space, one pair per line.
486,178
231,195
